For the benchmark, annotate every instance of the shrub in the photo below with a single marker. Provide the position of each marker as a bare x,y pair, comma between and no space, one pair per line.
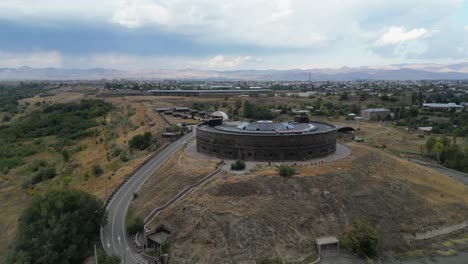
116,151
238,165
361,238
103,258
175,129
65,155
97,170
286,171
134,223
40,171
124,157
141,141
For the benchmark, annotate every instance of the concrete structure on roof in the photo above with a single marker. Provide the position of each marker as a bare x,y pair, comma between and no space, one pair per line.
219,114
375,113
265,140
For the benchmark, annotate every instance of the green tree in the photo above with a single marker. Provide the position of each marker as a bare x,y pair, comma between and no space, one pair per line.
437,149
175,128
141,141
237,104
58,227
65,155
286,171
361,238
238,165
134,224
248,110
429,143
6,118
103,258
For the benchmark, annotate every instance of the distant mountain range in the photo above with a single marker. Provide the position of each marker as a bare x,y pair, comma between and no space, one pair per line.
392,72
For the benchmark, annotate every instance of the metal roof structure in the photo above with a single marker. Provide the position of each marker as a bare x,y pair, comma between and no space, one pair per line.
264,127
159,237
440,105
376,110
208,91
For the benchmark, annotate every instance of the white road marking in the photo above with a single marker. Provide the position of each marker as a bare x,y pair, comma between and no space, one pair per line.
154,165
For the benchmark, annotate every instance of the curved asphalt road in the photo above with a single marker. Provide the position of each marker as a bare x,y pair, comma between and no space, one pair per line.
113,236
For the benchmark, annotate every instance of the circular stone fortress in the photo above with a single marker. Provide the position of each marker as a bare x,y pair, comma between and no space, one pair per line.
266,141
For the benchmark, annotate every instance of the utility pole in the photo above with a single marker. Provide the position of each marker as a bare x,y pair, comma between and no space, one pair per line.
95,253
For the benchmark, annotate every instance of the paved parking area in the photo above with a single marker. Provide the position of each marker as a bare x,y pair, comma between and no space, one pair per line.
342,259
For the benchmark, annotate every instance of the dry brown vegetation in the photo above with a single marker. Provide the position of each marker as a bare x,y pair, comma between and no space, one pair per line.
241,218
178,172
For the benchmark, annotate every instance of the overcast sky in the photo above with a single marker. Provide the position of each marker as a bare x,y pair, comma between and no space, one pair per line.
236,34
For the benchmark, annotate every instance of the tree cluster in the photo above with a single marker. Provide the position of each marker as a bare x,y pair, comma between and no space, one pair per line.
9,95
447,152
58,227
66,122
253,111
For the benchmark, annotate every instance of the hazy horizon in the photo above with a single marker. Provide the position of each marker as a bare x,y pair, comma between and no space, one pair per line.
225,35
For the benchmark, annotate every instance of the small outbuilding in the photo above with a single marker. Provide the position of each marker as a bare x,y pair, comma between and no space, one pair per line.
375,113
156,239
328,246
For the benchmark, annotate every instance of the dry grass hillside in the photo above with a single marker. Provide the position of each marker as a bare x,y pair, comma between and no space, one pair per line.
178,172
130,116
242,218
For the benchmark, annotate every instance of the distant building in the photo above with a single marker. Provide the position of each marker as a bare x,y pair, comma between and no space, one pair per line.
442,107
301,112
425,130
162,109
375,113
182,109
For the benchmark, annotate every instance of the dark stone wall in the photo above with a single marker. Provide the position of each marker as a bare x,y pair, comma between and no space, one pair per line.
265,147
